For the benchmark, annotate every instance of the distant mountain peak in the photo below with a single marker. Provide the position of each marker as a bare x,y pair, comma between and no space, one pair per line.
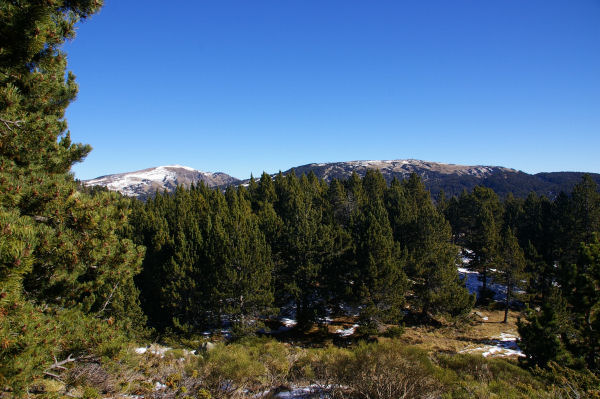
436,176
144,183
400,168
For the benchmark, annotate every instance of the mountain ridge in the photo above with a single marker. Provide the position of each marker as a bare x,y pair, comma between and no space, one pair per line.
450,178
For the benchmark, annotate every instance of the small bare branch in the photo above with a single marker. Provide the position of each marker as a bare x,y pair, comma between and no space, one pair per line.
59,365
108,299
8,123
53,376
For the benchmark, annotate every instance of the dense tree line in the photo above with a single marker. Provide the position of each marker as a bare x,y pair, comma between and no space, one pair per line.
383,249
549,248
297,241
69,257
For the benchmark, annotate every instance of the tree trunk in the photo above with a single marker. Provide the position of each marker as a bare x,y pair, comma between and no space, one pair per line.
484,275
507,302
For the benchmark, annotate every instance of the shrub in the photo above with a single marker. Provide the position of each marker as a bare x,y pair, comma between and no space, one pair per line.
389,370
231,368
394,332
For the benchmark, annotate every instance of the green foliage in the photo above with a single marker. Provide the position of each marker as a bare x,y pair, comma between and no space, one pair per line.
565,328
567,382
66,272
476,221
432,257
543,332
511,265
394,332
213,255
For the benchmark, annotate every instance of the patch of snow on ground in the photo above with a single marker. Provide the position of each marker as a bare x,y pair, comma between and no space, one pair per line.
348,310
289,323
471,280
153,349
304,392
474,283
346,332
501,346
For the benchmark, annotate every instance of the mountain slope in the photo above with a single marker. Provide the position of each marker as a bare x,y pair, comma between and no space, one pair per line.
450,178
144,183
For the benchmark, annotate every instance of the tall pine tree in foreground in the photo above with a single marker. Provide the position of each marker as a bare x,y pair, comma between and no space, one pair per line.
423,232
380,278
511,265
66,287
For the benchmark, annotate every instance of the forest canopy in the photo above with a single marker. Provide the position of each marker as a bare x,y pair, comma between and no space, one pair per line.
83,273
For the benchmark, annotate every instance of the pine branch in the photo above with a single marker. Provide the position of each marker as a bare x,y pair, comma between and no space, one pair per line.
108,299
59,365
53,376
8,123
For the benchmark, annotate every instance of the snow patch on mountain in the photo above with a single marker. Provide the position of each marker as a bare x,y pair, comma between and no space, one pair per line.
144,183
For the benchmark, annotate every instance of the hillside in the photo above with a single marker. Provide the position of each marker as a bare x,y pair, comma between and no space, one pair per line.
450,178
144,183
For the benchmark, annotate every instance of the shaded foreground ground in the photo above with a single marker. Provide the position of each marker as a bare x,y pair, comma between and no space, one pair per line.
475,359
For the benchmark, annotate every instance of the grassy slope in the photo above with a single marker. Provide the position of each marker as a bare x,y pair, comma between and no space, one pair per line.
425,362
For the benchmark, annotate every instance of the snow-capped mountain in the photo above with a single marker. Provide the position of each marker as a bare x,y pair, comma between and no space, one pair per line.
400,168
450,178
146,182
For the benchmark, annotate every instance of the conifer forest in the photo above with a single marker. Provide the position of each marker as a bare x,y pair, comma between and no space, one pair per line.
93,284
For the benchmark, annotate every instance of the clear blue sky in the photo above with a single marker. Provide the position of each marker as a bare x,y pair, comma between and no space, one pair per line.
245,86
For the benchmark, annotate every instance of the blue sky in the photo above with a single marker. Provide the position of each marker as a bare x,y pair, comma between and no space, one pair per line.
245,86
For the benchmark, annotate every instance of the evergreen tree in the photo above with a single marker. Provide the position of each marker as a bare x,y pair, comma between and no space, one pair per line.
338,272
544,334
585,207
536,234
580,285
244,278
511,265
426,237
308,245
565,330
66,269
478,230
380,279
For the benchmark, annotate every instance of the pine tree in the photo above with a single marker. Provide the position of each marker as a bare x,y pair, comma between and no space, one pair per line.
380,279
478,229
307,243
544,333
244,277
580,285
426,237
536,234
511,264
585,208
64,246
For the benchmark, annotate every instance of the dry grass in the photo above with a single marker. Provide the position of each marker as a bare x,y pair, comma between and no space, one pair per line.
454,339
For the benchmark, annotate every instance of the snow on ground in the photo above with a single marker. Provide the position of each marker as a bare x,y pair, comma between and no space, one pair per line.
502,346
348,310
158,350
289,323
158,386
153,349
304,392
346,332
473,282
